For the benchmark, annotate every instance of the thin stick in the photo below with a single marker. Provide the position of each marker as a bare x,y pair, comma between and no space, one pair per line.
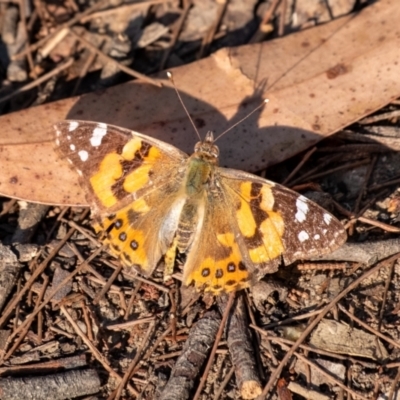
67,24
369,328
107,286
299,165
316,321
393,386
175,34
96,353
171,78
224,383
38,81
209,36
38,271
214,349
385,293
50,296
122,67
82,73
134,362
305,360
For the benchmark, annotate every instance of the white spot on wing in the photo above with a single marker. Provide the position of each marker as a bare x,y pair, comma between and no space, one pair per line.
98,133
316,237
72,147
303,235
302,209
57,142
73,125
69,137
327,218
83,154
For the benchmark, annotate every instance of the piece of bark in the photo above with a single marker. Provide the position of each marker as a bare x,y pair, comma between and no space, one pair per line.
336,369
241,349
194,352
59,275
46,367
307,393
65,385
9,269
339,338
17,69
367,253
28,220
10,25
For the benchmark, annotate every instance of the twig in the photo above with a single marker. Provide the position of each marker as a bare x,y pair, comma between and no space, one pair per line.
299,165
175,34
209,36
67,24
85,68
282,18
96,353
124,9
107,286
385,293
317,367
224,383
106,58
214,349
393,386
369,328
40,80
322,314
38,271
263,28
50,296
128,373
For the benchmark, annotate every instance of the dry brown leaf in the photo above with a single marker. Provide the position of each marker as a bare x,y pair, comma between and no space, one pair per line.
318,81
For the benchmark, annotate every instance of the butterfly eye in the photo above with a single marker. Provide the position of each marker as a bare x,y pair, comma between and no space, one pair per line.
215,151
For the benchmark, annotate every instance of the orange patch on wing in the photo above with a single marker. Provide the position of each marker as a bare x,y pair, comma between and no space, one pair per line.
140,176
271,232
124,241
271,229
109,171
246,222
130,148
222,275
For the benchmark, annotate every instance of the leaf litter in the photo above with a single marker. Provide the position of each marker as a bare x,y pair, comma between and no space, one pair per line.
133,330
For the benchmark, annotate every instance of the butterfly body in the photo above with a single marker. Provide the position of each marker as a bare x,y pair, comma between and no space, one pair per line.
150,200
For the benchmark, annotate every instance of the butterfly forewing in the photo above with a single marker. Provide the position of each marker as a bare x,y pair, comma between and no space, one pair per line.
115,164
277,224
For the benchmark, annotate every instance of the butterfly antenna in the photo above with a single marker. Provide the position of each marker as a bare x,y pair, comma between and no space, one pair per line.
169,74
239,122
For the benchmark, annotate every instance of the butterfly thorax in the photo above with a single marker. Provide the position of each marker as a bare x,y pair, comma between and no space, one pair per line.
201,167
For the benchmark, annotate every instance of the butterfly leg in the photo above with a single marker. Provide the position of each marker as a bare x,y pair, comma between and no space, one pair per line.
169,259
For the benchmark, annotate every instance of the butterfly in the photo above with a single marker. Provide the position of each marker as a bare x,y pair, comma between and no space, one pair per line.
151,201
